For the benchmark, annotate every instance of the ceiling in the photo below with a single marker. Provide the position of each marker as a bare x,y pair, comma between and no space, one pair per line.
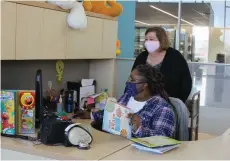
194,13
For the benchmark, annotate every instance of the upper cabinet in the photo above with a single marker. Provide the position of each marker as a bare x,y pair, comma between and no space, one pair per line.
54,35
41,33
8,31
109,38
86,43
30,32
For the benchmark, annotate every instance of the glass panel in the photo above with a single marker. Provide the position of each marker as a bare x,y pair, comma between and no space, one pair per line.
205,31
155,13
209,25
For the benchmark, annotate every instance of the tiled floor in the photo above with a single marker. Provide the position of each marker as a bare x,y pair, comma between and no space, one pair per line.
214,121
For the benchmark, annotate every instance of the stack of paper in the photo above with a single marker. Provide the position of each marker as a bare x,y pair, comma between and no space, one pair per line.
155,144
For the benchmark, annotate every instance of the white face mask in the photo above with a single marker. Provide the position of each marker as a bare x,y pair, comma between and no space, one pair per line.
152,46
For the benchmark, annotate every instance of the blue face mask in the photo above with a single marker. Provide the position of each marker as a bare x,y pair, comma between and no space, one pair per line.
131,88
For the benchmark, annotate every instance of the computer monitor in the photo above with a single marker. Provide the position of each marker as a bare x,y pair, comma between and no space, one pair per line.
39,108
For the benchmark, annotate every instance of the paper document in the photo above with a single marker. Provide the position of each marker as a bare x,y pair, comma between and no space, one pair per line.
87,82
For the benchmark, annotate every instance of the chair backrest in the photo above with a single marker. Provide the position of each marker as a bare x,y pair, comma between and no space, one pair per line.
193,106
183,119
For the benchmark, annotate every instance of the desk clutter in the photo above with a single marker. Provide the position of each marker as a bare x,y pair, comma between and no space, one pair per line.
20,110
18,118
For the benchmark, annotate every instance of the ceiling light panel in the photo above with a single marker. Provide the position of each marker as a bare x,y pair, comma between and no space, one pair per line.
174,16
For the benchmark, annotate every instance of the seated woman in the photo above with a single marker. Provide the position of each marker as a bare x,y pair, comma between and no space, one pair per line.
145,96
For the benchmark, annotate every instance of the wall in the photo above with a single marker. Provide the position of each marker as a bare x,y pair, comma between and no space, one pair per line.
21,74
126,29
123,69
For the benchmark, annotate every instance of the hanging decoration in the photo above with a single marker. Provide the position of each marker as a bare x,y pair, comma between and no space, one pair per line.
60,70
118,51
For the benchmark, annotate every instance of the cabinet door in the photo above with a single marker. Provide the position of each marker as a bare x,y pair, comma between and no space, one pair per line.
29,32
8,31
109,39
86,43
54,35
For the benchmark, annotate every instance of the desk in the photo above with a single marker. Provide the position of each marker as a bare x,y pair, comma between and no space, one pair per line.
103,145
109,147
214,149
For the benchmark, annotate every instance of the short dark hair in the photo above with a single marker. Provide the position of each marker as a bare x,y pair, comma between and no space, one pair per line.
154,79
161,35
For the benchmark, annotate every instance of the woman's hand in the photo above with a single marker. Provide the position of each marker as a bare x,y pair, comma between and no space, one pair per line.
135,121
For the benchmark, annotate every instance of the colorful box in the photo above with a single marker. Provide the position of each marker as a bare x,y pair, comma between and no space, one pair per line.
26,112
8,108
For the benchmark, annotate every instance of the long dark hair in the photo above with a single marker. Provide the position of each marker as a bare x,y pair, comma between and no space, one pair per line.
154,79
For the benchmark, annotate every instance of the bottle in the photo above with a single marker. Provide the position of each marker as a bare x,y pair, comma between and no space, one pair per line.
60,105
69,102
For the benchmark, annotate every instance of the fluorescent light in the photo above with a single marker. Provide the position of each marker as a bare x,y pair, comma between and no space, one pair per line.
142,23
163,24
170,14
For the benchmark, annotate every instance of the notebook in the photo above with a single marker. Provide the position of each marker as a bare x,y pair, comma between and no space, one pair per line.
156,141
115,119
159,150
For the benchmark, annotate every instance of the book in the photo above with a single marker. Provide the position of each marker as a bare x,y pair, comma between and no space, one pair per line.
8,108
156,141
158,150
26,112
115,119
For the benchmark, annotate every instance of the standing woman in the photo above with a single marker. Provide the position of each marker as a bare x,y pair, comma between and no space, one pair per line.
169,61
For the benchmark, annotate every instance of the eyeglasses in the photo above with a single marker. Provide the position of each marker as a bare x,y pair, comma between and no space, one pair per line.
137,81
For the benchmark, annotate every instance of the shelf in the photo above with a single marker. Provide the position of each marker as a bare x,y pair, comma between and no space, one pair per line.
46,5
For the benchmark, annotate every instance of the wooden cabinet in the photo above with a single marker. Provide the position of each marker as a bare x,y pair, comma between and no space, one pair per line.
41,33
8,30
35,33
86,43
109,39
54,35
29,32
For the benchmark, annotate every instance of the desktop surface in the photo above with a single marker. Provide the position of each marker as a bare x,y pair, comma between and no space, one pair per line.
103,145
211,149
111,147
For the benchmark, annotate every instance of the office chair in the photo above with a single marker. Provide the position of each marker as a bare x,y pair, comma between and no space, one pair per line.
194,109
